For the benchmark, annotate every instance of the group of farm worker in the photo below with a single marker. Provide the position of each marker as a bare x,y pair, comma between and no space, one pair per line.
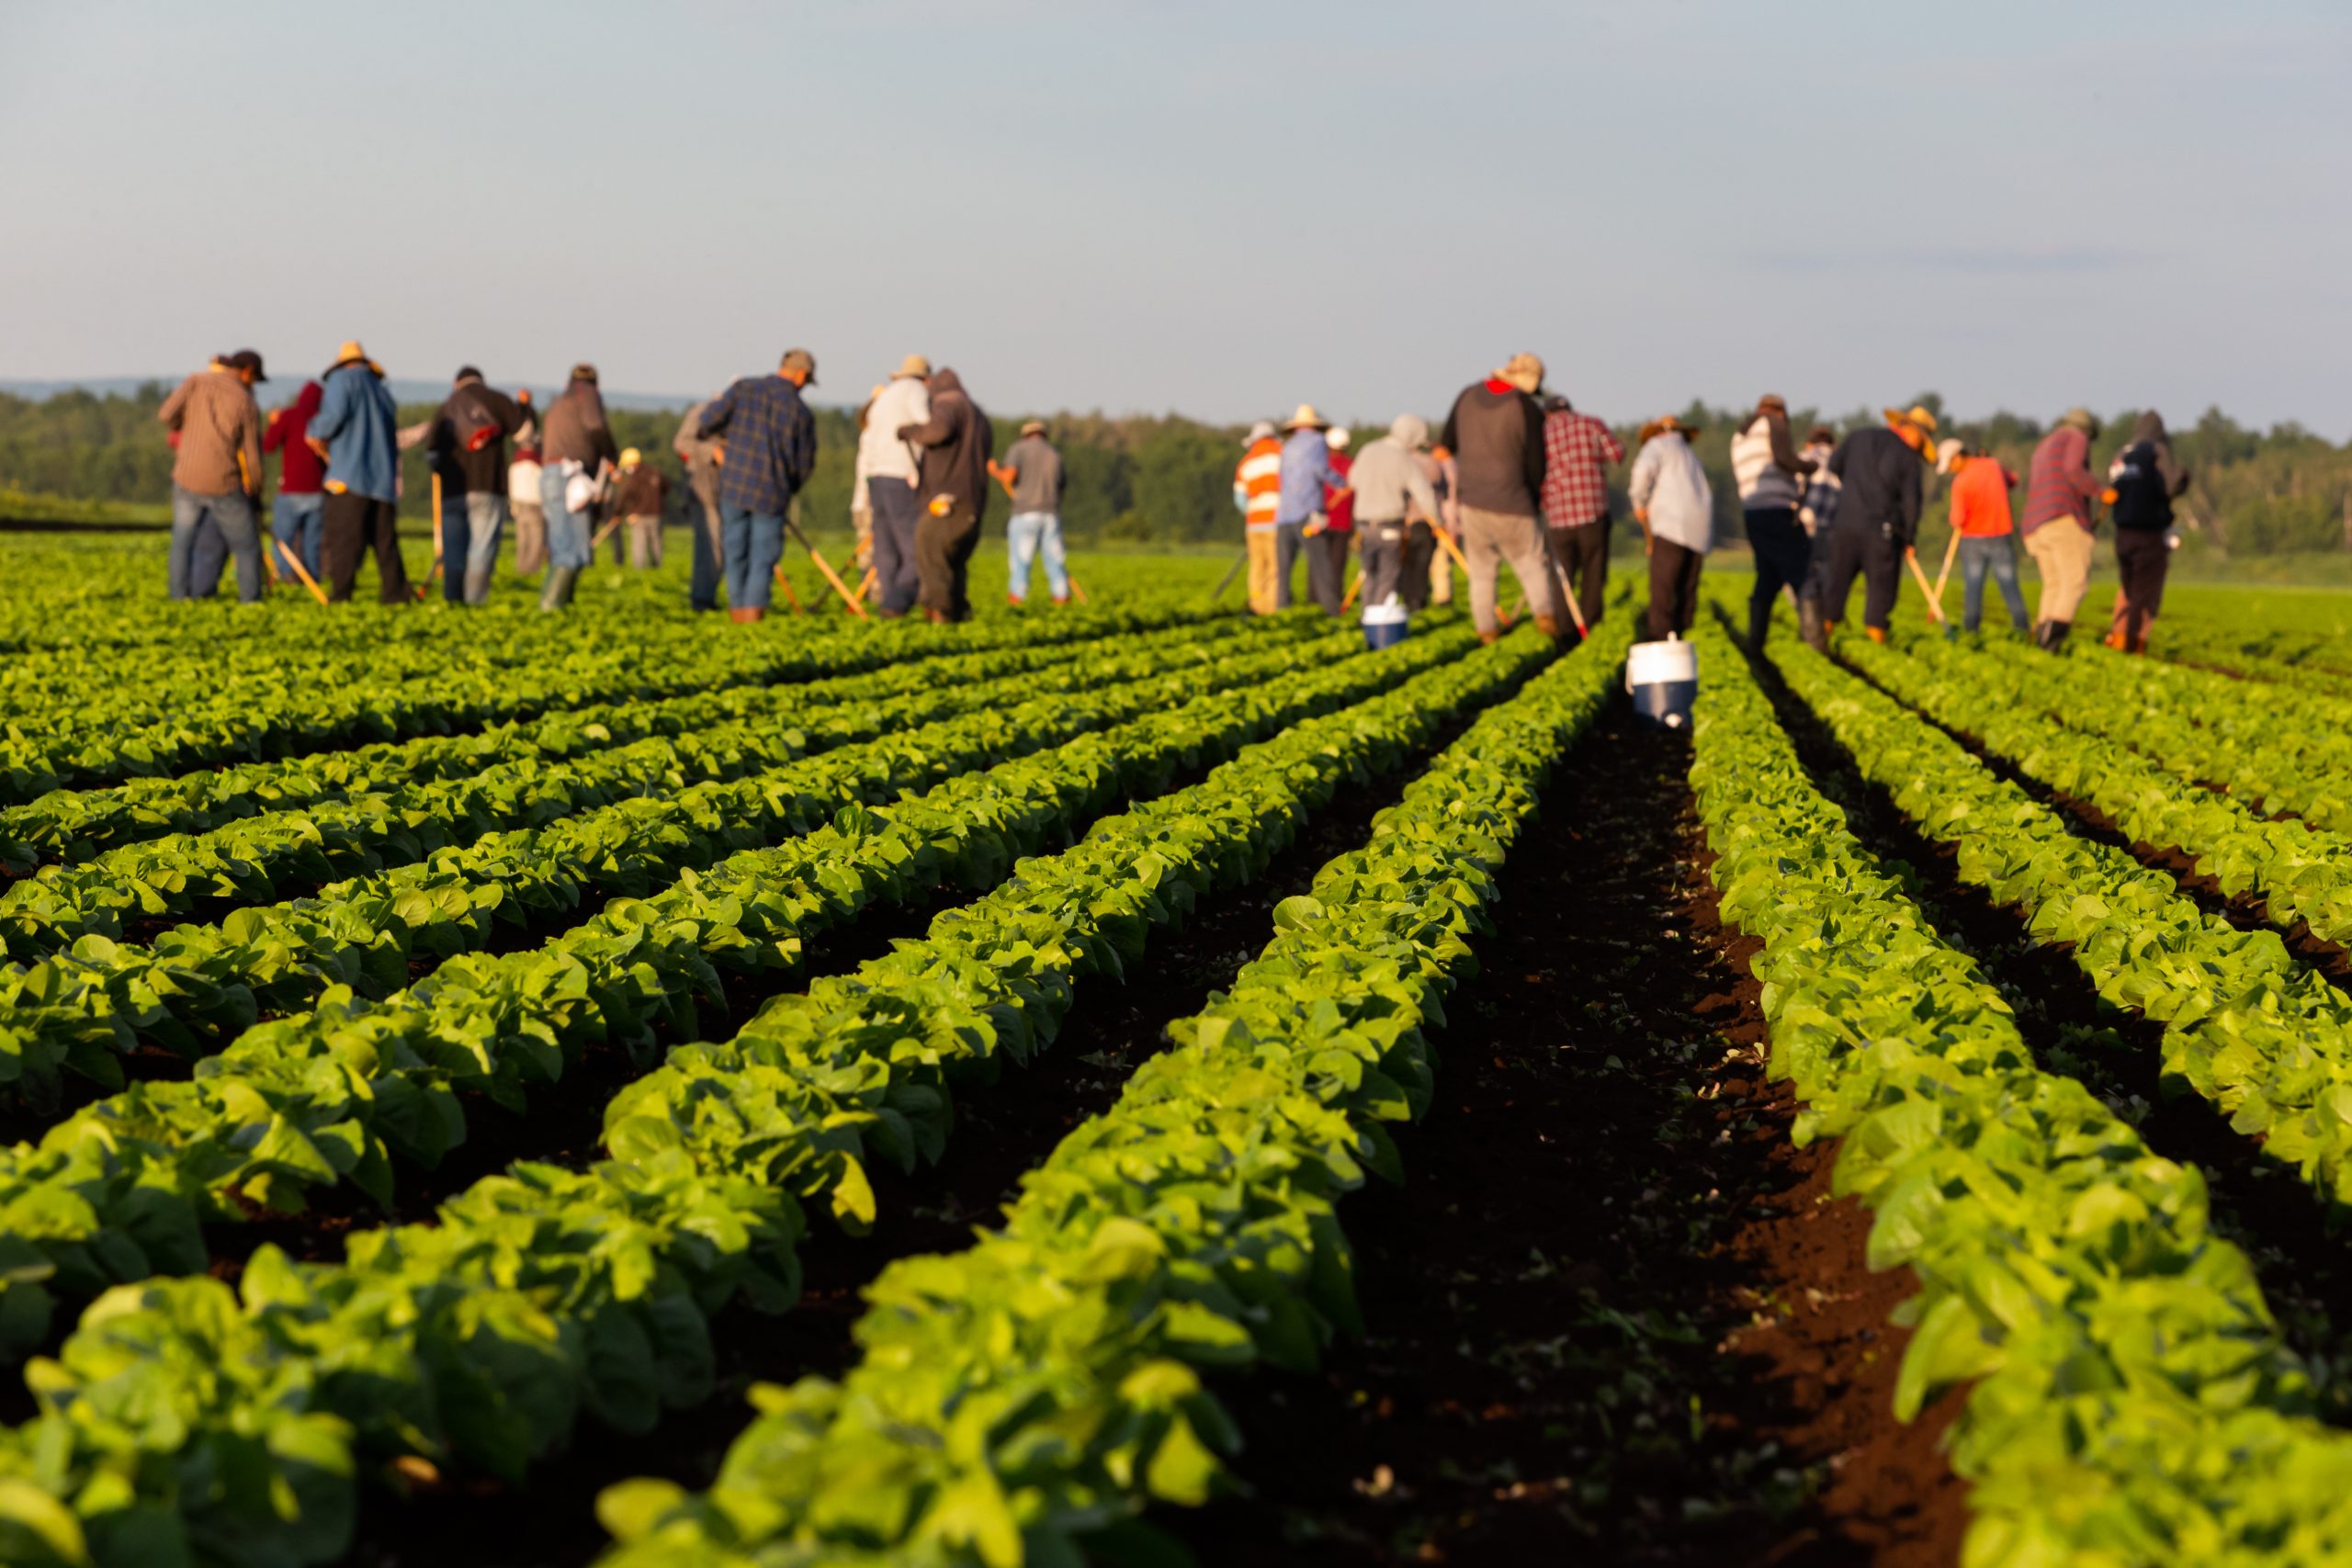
1519,477
925,467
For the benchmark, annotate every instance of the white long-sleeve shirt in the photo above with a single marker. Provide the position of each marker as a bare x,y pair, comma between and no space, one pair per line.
1670,486
880,452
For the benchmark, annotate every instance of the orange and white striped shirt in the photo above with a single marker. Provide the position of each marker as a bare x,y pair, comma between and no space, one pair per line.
1259,480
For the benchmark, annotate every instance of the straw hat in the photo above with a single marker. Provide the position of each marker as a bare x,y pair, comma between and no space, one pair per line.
631,457
1916,416
349,353
1032,427
1522,370
2080,419
1308,419
1663,424
913,365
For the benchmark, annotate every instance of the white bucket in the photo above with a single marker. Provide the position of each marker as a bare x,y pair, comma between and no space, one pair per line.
1663,679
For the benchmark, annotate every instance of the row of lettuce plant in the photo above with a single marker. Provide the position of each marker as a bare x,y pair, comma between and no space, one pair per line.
204,722
196,986
2297,660
186,1421
73,825
2130,1398
258,859
1027,1399
2297,870
121,1190
2246,1025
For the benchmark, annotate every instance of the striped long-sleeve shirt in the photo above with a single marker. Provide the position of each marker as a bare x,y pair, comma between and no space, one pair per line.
1259,480
2060,483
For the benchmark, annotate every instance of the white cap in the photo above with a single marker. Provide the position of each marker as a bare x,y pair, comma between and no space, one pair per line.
1338,437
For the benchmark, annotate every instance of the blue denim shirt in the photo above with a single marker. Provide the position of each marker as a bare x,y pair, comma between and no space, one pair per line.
1306,468
356,420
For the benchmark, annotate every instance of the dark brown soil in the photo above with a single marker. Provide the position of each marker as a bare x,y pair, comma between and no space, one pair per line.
1613,1316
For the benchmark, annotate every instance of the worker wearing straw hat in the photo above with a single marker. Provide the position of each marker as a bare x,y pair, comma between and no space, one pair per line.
355,422
1879,471
1308,475
1496,435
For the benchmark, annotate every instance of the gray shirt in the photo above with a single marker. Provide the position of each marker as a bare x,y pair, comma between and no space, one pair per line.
1036,475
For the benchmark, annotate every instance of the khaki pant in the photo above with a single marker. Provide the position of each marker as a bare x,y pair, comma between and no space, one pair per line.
530,538
1262,577
2062,552
1489,538
861,523
644,542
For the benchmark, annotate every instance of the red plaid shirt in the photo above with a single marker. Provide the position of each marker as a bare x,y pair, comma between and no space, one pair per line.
1578,450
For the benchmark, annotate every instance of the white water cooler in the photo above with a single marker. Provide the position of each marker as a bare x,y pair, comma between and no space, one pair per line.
1663,679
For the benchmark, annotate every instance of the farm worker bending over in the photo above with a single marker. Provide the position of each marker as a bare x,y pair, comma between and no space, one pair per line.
576,452
297,516
1817,514
355,427
1766,466
2059,495
1308,473
1257,490
2144,479
216,477
642,495
1032,475
1676,507
1578,450
1878,515
700,457
957,443
893,483
1496,434
1980,517
1389,485
467,444
771,451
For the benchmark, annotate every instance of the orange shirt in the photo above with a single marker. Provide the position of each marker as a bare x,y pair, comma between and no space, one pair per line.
1980,499
1260,479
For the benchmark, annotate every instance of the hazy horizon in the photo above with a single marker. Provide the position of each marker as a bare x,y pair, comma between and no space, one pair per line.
1214,209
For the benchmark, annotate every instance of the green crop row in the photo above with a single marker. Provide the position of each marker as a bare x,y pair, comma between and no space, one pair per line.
2297,870
1022,1401
119,1191
184,1421
2279,659
74,825
2130,1399
258,859
205,721
196,986
2246,1025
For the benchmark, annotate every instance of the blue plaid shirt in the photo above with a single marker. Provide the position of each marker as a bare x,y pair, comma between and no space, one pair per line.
771,443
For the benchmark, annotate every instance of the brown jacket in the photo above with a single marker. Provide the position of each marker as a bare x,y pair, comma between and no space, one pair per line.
642,491
957,441
575,429
218,422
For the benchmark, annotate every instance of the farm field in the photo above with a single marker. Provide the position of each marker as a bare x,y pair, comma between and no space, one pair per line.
1135,1083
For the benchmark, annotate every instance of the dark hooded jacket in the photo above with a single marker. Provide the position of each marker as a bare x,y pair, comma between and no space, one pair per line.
957,443
301,470
468,439
2147,477
1496,434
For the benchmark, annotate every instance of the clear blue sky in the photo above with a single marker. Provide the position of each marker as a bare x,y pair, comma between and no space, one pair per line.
1220,209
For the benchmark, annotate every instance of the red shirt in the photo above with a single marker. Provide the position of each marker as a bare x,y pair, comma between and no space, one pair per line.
1980,499
300,471
1342,510
1578,450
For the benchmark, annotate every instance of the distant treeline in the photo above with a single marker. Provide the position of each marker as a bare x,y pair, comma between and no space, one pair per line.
1169,478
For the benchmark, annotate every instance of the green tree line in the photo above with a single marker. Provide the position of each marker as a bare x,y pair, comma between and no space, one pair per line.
1169,479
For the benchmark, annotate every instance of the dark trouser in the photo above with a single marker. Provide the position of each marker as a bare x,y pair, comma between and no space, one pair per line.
1867,551
943,548
1327,570
1580,560
2144,556
1997,554
1674,587
898,510
1289,539
1382,550
702,592
354,524
1420,549
1784,556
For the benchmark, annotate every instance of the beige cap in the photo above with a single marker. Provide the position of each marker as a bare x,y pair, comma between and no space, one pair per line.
1523,371
1032,427
913,365
1949,452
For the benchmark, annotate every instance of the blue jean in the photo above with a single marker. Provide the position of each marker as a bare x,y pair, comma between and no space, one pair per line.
753,543
1997,554
190,575
1033,533
568,533
470,526
897,509
298,521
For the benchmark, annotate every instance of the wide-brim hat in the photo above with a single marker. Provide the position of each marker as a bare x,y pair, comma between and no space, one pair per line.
1663,426
914,365
1032,427
1306,418
1916,416
349,353
2080,419
1524,371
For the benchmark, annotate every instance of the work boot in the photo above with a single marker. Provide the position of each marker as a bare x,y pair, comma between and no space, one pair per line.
1061,598
2114,640
478,585
1876,634
1548,626
2058,631
556,592
937,617
1486,638
749,615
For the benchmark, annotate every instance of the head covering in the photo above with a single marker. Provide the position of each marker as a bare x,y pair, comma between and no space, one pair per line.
1306,418
1032,427
245,359
465,373
349,353
631,457
2149,426
1916,416
1339,437
1259,432
1772,400
1409,431
1558,403
1949,452
1523,371
913,365
2080,419
583,371
1665,424
1821,434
